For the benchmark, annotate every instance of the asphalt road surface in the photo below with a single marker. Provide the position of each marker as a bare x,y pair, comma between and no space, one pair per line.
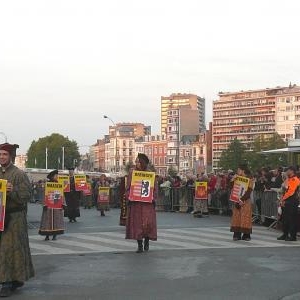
192,259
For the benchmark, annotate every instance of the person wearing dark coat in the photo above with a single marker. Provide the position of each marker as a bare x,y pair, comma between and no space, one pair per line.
72,200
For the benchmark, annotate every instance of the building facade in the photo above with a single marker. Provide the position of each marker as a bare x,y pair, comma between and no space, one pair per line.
246,115
176,100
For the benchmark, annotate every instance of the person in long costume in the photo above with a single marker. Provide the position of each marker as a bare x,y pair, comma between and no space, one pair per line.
15,258
241,220
52,221
72,200
141,220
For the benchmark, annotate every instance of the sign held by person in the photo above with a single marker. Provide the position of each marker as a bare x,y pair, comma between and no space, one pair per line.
240,187
142,186
54,195
3,184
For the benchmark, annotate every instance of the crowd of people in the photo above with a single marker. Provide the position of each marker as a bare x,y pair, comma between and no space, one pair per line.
15,258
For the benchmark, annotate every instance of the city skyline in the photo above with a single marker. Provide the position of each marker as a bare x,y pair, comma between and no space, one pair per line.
65,64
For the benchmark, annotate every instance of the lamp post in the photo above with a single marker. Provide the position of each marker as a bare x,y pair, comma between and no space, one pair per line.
115,154
63,158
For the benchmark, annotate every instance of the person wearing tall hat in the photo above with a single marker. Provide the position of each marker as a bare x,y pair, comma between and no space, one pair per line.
72,199
52,221
141,219
15,258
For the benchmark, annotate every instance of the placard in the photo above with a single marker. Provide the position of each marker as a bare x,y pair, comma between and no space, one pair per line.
240,187
142,186
80,182
103,196
65,181
201,190
88,190
54,195
3,184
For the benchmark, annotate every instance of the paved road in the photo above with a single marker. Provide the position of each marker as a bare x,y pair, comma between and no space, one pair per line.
192,259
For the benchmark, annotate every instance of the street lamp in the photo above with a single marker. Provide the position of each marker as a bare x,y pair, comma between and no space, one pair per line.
106,117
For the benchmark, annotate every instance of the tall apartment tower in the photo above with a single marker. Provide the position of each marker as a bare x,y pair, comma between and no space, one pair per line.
176,100
247,114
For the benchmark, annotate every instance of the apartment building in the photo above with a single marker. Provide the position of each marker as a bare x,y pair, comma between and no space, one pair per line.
176,100
119,150
247,114
287,112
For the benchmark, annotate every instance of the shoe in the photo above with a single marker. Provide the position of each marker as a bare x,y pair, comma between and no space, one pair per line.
74,220
54,238
140,247
237,236
5,291
246,238
146,244
102,214
47,238
291,239
282,238
70,220
16,284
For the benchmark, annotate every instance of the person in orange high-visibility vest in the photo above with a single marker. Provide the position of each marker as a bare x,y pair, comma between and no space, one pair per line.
289,204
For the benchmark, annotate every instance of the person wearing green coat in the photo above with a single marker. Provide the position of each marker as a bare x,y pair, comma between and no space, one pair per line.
15,257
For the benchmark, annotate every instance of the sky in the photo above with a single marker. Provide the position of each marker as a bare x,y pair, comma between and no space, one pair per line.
66,63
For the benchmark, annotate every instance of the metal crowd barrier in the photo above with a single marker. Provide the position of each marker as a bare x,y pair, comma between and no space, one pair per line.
269,206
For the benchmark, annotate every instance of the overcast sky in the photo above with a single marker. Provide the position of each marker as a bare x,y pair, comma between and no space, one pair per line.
64,64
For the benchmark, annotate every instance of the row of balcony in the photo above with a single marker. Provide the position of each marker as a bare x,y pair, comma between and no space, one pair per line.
251,131
248,122
244,114
226,107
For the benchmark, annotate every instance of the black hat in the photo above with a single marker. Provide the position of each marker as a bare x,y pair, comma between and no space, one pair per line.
143,157
51,174
71,169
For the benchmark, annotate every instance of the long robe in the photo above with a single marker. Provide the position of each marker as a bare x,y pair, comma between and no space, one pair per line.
52,221
141,217
241,220
15,257
73,201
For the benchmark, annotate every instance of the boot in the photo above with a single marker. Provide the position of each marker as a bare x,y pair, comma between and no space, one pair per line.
47,238
54,237
237,236
246,237
140,246
146,244
16,284
282,237
102,213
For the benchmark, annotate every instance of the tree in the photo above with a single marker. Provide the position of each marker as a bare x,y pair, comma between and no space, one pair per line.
36,154
232,157
257,159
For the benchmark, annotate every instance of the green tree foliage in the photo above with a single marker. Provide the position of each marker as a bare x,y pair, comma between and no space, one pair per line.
233,156
36,155
257,160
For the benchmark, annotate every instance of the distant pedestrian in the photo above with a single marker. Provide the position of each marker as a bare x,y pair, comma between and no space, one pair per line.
15,258
72,199
102,206
289,204
52,221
